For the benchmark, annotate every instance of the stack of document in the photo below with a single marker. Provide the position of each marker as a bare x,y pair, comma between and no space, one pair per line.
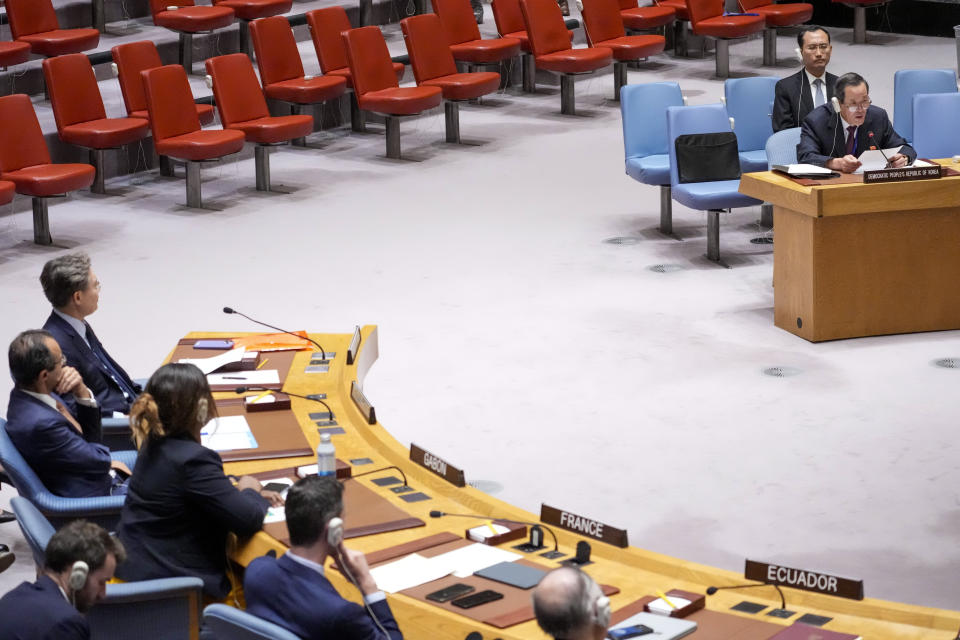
414,569
257,377
228,433
803,170
209,365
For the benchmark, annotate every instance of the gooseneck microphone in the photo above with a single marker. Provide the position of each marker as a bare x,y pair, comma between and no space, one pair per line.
872,141
229,310
240,390
783,602
440,514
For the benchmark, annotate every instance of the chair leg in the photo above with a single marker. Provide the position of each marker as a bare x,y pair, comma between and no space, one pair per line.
713,235
166,167
99,19
723,58
357,119
393,137
619,78
366,12
568,102
245,38
680,39
261,155
451,113
859,25
666,210
186,52
669,39
295,110
770,47
529,71
194,197
41,222
96,159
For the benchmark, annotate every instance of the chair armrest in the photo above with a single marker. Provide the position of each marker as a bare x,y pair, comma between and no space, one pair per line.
49,504
128,457
115,424
158,589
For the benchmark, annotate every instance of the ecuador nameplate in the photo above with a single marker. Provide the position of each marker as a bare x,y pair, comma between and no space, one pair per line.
803,579
902,174
584,526
438,466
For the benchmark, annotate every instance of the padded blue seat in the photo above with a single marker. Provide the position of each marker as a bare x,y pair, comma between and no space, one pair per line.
936,125
227,623
782,147
755,160
908,83
650,169
748,102
722,194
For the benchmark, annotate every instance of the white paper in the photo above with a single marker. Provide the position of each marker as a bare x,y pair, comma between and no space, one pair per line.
803,169
465,561
409,571
872,159
275,514
267,399
257,377
664,609
209,365
228,433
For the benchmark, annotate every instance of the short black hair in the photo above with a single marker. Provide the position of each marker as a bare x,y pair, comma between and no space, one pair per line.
82,540
848,80
29,355
809,28
310,504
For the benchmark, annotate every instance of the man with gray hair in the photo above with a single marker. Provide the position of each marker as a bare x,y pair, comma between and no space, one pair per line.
569,605
73,289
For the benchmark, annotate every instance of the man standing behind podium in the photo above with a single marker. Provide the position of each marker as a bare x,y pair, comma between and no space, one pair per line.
836,140
797,95
73,289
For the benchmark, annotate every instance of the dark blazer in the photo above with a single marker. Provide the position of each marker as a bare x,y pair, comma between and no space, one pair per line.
95,375
301,600
67,463
793,99
179,509
821,138
38,611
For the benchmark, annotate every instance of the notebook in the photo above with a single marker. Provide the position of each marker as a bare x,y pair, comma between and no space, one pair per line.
664,628
514,574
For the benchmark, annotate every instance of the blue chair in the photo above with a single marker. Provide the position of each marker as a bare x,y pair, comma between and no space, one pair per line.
166,608
782,147
748,101
713,197
228,623
643,109
937,125
105,510
910,82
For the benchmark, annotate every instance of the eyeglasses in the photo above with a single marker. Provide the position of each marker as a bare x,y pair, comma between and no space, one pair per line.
813,48
853,108
97,285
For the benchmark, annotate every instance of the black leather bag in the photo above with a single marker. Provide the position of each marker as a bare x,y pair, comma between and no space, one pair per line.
706,157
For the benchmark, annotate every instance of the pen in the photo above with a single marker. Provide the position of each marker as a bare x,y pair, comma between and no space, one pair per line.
260,397
664,597
234,378
263,362
490,525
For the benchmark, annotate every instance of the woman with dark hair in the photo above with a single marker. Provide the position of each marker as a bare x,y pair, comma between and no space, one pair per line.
180,506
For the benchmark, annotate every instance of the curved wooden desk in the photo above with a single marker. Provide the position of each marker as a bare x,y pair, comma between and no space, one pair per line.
636,572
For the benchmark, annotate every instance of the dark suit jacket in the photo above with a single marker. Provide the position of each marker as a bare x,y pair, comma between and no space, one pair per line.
38,611
822,138
301,600
95,375
179,509
793,99
67,463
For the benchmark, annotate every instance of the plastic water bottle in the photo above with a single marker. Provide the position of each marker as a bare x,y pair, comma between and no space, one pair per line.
326,457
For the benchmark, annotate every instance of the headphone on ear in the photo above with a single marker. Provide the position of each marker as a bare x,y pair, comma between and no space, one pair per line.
601,611
334,532
203,407
799,53
78,575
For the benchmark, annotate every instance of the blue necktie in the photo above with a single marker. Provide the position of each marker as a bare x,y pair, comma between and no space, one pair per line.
128,393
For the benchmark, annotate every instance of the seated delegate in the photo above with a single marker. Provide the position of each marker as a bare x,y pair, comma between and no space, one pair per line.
836,140
181,508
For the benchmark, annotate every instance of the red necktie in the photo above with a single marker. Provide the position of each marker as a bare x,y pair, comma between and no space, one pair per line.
851,139
66,414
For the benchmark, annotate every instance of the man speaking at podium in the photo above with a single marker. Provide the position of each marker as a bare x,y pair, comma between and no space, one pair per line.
835,134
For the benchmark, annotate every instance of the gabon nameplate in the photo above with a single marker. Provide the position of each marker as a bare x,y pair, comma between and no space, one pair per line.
584,526
437,465
804,579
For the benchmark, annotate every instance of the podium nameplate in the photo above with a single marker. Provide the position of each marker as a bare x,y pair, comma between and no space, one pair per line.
802,579
903,174
437,465
362,403
584,526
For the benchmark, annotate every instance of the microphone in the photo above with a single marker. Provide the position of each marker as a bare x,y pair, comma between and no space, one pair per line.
229,310
870,135
783,602
240,390
440,514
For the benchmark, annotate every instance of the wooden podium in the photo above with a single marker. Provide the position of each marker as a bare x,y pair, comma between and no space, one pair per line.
854,259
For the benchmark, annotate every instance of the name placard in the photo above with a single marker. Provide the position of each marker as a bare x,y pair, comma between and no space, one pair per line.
354,346
438,466
356,393
803,579
901,175
584,526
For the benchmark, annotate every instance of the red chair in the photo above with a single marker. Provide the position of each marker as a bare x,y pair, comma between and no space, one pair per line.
551,48
79,113
860,16
249,10
509,19
281,70
433,66
325,27
462,34
25,161
187,20
707,19
787,14
35,22
646,18
12,53
176,127
7,191
243,108
604,27
376,87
